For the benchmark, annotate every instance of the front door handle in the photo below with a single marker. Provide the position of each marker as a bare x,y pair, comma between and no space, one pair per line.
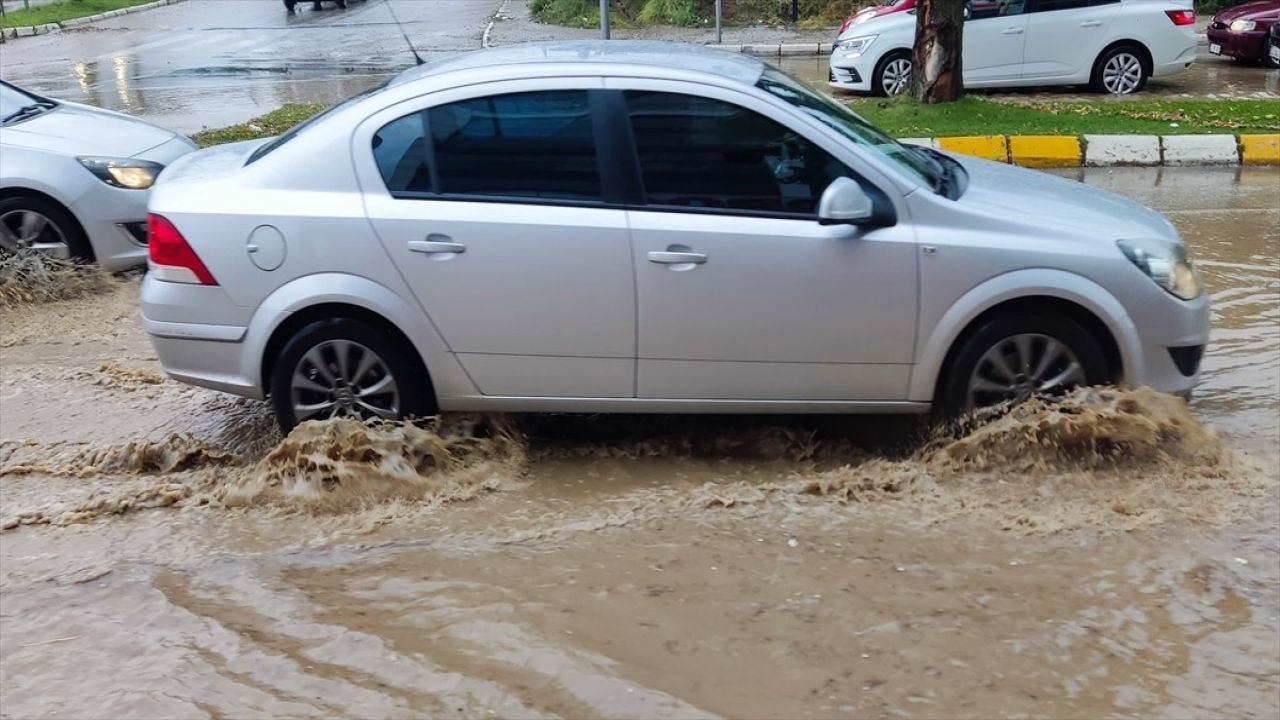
676,258
1012,31
436,247
1091,23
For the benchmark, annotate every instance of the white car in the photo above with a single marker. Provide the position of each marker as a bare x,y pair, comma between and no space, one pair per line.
646,227
74,180
1113,46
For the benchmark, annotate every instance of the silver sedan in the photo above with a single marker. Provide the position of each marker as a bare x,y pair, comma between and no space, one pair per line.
633,227
74,178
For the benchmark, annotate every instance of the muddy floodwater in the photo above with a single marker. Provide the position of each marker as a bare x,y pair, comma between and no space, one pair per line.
165,553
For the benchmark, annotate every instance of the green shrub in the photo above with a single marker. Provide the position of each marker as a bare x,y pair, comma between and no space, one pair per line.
626,13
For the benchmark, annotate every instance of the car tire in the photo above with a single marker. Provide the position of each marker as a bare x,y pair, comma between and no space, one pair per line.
309,373
1047,346
57,226
1267,62
290,5
342,4
1121,70
884,79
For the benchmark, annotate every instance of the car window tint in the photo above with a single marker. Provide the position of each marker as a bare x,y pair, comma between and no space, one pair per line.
704,153
1051,5
983,9
400,150
536,144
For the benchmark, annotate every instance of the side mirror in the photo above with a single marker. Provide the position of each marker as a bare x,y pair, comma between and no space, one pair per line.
968,11
844,202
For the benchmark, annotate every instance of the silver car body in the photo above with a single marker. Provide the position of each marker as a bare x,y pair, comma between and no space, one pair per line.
556,308
39,157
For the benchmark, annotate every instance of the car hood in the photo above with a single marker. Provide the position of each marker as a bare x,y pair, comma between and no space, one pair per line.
74,129
1249,11
879,24
1041,200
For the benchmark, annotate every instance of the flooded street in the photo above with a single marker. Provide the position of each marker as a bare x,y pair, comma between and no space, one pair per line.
166,554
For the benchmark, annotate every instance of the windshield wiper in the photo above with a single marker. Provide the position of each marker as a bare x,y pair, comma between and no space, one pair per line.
943,173
34,108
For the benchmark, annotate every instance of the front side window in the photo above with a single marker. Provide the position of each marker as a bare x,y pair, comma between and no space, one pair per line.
702,153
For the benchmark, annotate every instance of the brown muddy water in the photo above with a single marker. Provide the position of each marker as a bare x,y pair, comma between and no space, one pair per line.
166,554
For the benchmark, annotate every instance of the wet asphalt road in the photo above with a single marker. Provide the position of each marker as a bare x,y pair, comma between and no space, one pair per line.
209,63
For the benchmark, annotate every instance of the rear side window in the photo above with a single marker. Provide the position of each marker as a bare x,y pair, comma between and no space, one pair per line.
701,153
523,145
400,150
1051,5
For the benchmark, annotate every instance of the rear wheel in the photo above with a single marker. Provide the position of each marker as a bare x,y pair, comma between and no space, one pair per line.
32,223
345,368
893,74
1014,357
1120,71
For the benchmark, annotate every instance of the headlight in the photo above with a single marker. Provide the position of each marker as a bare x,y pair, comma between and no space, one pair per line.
854,47
123,172
1243,25
1165,263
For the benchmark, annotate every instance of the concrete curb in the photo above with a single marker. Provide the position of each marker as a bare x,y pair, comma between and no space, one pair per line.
1046,151
33,30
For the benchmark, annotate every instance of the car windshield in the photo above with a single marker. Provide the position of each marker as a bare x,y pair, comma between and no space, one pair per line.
13,102
917,166
293,132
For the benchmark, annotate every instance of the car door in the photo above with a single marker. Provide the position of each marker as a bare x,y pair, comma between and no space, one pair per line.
490,201
994,37
741,293
1064,37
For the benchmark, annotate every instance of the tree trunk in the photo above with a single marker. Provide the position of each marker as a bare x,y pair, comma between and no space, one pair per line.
936,67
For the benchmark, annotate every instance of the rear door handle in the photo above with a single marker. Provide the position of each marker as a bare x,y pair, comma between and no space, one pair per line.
1012,31
436,247
1091,23
676,258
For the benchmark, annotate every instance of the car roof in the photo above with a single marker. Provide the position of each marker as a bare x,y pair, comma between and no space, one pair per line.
736,67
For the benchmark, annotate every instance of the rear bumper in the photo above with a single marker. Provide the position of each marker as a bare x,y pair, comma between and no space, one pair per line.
201,337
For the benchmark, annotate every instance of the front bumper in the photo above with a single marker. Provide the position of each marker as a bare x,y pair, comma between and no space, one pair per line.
1243,46
1172,340
847,73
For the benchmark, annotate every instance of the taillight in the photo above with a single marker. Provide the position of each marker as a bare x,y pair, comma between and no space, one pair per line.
847,22
1182,17
172,259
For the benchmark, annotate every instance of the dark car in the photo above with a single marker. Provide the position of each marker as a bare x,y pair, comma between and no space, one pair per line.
1240,32
315,4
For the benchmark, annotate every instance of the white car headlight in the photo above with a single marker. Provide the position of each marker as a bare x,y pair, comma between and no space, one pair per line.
1242,25
129,173
853,47
1167,264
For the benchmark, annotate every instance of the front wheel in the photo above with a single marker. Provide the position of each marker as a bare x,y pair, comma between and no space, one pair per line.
36,224
345,368
1014,357
1120,71
893,74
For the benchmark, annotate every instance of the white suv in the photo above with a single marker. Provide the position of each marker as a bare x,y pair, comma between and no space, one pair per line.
1112,45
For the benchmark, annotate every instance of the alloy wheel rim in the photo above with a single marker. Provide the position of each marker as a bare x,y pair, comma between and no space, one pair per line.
896,77
1023,365
341,378
30,230
1122,73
